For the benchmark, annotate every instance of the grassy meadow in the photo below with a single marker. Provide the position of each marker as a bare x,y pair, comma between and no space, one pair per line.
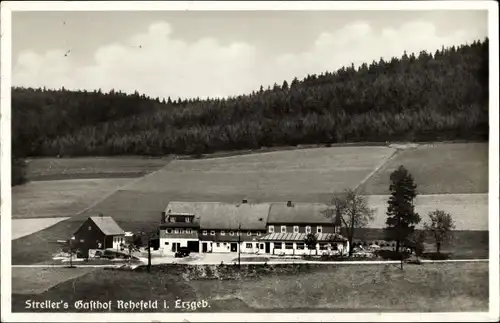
308,175
437,169
427,288
48,169
41,199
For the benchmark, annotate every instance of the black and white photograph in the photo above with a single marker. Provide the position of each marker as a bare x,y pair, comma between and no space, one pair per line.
249,161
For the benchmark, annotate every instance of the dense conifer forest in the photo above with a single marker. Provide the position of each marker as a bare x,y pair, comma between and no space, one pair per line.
416,97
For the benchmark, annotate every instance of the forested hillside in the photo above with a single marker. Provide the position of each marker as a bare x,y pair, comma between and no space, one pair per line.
421,96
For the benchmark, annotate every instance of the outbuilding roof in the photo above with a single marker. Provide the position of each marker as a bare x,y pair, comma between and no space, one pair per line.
224,216
107,225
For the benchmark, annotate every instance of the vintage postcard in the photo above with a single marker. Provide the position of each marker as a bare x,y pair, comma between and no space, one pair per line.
249,161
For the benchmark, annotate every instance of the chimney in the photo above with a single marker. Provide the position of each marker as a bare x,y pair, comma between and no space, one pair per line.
289,203
162,217
245,201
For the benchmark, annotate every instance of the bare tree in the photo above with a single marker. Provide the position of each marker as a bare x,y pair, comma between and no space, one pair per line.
440,226
352,210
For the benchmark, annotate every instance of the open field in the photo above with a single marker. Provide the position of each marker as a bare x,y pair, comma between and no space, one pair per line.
424,288
308,175
469,211
39,280
24,227
259,176
92,167
438,169
60,198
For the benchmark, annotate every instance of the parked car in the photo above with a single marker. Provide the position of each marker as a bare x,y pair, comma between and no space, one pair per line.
182,252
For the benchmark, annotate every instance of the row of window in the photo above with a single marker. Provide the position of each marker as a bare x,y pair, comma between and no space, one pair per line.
300,245
173,219
231,233
319,229
181,231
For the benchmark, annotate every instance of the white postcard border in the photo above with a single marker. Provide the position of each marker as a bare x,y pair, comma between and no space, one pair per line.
6,64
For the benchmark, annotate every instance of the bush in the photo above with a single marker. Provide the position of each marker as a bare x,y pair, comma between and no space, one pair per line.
436,256
392,255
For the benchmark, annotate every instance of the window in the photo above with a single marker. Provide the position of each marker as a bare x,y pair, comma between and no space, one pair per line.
172,219
82,240
169,230
300,246
271,229
204,232
258,234
90,227
231,233
308,229
238,233
223,233
212,233
176,230
249,246
188,219
283,229
166,243
182,231
277,245
289,245
249,233
295,229
188,231
261,246
319,229
322,246
218,244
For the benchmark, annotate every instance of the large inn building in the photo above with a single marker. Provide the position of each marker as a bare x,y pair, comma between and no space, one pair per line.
267,228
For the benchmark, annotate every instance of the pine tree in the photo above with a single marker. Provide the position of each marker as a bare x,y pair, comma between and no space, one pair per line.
401,215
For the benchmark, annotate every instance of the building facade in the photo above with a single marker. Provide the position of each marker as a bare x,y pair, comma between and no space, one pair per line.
264,228
289,223
99,232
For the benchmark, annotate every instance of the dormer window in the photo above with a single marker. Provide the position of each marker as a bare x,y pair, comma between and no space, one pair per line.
223,233
249,233
231,233
188,219
271,229
172,219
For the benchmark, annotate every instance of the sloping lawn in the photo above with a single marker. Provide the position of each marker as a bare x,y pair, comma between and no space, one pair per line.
418,288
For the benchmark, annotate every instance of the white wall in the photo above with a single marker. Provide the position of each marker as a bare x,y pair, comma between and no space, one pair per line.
224,247
331,250
171,241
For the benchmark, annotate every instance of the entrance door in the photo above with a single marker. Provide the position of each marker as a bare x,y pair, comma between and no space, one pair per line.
268,247
193,246
204,247
234,247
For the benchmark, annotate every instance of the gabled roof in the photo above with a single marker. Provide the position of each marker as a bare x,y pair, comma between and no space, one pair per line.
224,216
281,213
107,225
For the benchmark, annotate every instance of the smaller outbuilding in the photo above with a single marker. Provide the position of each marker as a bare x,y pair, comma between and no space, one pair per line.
98,232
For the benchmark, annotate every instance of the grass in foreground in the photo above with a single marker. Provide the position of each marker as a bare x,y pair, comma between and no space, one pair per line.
424,288
39,280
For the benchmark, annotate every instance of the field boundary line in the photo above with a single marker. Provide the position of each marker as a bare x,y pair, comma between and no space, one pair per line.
124,187
376,169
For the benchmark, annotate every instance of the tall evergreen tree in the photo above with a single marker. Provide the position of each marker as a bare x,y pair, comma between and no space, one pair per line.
401,215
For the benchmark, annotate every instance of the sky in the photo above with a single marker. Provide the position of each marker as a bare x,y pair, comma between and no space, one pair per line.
218,53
